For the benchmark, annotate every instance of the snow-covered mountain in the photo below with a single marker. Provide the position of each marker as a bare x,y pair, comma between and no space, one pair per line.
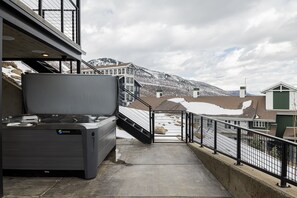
172,85
104,61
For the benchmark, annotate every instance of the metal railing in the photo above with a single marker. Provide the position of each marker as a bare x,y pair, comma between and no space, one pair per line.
169,125
272,155
64,15
143,115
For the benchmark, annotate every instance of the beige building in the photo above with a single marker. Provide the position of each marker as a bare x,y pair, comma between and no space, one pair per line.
126,74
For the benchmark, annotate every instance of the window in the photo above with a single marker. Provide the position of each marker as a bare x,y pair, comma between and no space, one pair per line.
119,70
259,124
123,70
110,71
131,80
106,72
209,123
115,71
226,125
236,123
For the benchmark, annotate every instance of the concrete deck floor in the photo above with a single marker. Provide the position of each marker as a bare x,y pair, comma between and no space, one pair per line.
160,169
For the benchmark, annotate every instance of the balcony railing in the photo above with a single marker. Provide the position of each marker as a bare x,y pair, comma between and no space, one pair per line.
270,154
62,14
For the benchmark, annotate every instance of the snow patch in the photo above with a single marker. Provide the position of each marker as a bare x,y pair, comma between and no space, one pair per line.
210,109
177,100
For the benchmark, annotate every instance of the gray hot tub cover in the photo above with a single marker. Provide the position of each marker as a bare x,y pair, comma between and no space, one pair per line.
70,94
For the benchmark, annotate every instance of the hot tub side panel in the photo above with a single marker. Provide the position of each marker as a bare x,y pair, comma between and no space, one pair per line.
41,149
98,144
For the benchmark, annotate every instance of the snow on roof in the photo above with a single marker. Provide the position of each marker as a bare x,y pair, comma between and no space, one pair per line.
210,109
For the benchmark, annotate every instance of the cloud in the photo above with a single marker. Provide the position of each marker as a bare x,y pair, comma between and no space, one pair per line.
218,42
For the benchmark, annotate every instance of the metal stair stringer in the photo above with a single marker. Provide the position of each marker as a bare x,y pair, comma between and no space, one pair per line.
133,129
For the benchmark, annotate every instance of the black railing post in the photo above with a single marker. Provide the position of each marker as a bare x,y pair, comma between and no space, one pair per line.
284,168
78,22
73,32
201,132
40,13
1,56
215,138
238,158
150,120
192,127
60,66
187,117
78,66
71,67
153,125
182,125
62,16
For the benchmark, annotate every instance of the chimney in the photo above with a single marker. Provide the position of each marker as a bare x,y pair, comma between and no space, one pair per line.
242,92
159,93
196,92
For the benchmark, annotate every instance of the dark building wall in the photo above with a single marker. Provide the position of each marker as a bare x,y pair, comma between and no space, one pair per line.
282,122
12,102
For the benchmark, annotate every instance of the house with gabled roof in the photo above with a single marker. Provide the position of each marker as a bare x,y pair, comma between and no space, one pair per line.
271,113
282,98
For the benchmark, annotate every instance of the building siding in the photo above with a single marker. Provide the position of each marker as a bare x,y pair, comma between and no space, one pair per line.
293,101
269,100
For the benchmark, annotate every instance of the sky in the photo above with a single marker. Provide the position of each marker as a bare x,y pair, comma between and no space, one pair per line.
225,43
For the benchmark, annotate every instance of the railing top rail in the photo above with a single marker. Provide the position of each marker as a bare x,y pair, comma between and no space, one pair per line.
170,111
137,98
90,66
246,129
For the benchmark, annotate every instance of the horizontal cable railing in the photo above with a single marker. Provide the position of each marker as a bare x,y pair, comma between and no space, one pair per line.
169,125
62,14
270,154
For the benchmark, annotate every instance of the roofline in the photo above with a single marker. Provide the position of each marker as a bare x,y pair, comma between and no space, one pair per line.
278,84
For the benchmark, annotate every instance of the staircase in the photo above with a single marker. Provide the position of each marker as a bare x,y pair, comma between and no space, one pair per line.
41,66
137,123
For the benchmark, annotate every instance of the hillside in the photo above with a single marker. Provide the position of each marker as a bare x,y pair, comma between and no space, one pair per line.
173,85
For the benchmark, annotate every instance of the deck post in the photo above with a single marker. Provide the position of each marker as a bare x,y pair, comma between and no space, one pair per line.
1,174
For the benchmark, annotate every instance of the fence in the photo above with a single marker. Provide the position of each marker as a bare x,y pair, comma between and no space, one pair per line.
272,155
169,125
142,115
62,14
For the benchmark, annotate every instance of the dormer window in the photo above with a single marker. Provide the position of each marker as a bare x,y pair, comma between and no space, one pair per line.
280,97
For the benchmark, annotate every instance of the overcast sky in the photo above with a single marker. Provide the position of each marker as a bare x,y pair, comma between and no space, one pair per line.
220,42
